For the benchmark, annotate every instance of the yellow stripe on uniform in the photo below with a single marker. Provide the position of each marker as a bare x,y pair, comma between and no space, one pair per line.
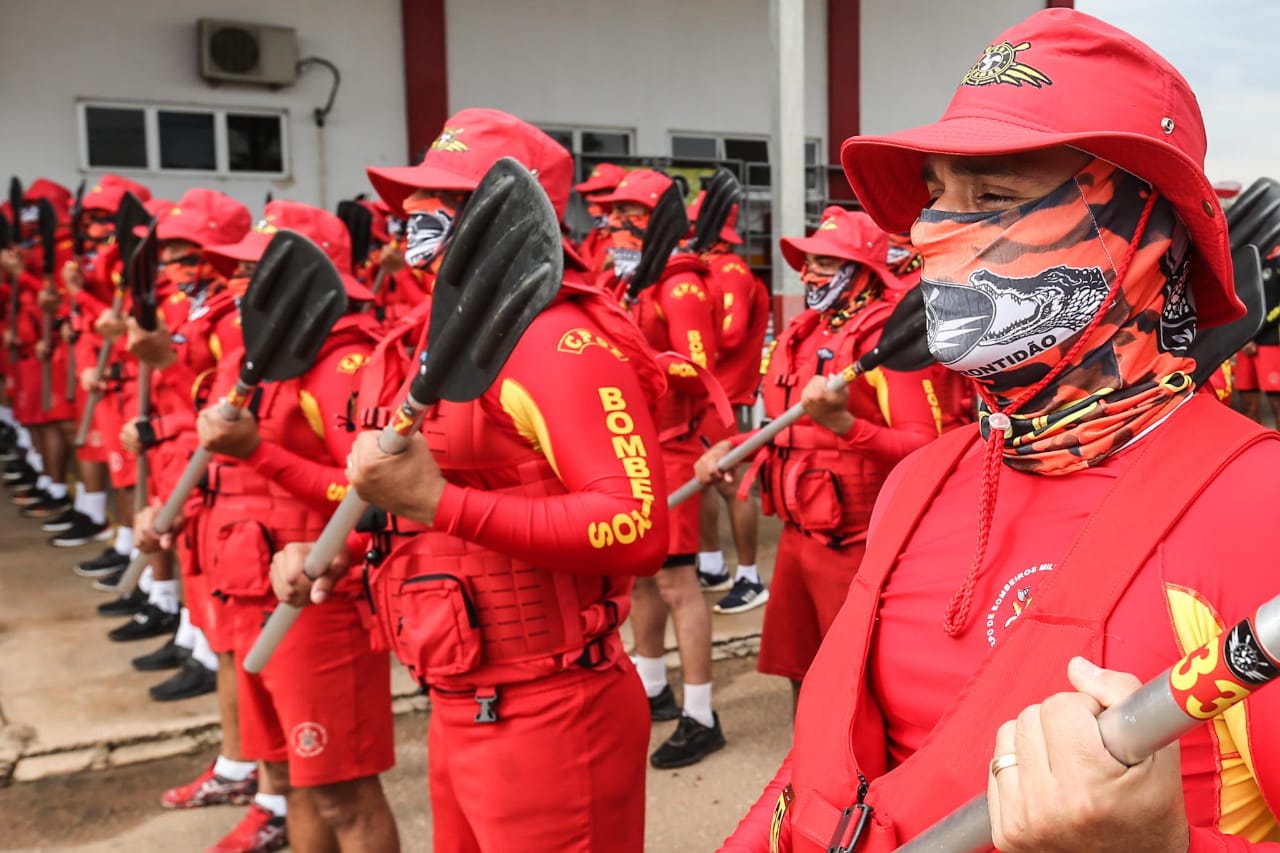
311,411
527,417
875,378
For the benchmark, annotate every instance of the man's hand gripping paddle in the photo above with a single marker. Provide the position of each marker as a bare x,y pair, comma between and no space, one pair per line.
293,300
1245,657
142,267
49,259
903,345
502,266
131,215
668,224
722,193
16,196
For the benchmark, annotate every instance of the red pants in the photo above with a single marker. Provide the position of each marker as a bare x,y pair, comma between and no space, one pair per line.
810,581
563,769
323,702
1259,372
685,520
27,398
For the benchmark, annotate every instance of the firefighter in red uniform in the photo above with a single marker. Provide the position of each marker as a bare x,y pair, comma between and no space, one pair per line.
821,476
594,248
543,485
319,716
1076,530
680,319
739,345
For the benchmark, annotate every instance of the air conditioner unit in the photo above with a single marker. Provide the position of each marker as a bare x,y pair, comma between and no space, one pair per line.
253,54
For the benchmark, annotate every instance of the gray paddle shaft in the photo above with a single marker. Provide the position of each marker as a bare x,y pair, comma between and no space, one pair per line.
1132,731
144,413
168,513
331,542
762,437
104,356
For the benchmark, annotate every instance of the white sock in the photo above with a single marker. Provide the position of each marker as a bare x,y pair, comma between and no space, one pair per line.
697,703
43,482
35,460
57,490
144,580
164,594
273,803
751,572
236,771
201,653
6,415
94,505
653,674
186,636
124,540
78,502
711,562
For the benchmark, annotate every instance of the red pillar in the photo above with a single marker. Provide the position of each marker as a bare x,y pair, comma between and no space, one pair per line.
1059,4
844,81
426,72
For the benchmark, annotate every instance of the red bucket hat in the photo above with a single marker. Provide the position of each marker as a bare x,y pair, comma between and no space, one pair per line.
319,226
642,186
471,142
109,191
204,217
847,234
729,233
605,176
58,196
1062,77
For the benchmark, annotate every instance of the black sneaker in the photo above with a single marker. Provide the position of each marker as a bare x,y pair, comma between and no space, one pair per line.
714,583
169,656
194,679
66,521
108,583
745,595
81,532
149,621
17,471
663,707
125,605
691,743
30,497
108,562
46,508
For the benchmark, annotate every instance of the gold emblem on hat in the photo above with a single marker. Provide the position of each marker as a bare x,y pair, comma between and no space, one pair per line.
448,140
999,64
828,225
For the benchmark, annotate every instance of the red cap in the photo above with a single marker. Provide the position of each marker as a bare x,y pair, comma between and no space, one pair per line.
204,217
109,191
605,176
642,186
848,234
729,233
58,196
319,226
158,207
471,142
1062,77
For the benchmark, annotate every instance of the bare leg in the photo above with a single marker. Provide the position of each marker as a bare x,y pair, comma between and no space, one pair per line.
795,697
57,452
709,526
1251,405
124,506
308,833
1274,401
229,709
744,519
93,476
358,814
678,586
648,618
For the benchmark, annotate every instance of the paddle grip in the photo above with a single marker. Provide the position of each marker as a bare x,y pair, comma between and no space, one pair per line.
333,539
1200,686
104,357
144,413
763,436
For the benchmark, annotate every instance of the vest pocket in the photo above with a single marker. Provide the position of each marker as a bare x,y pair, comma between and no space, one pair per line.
242,559
433,625
813,499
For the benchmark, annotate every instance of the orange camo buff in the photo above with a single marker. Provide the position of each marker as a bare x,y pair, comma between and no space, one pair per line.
626,239
1071,315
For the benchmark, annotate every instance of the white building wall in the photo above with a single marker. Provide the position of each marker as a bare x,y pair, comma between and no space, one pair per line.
914,53
656,67
52,53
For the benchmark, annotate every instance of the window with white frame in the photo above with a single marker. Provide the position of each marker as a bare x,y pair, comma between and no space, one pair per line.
590,145
753,152
173,138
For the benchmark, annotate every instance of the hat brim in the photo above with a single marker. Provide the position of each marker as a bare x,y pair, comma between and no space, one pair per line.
730,236
396,183
227,257
795,248
595,185
617,196
886,175
172,231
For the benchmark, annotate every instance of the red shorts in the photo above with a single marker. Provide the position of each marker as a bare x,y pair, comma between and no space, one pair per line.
28,405
323,702
810,581
1259,372
686,519
563,768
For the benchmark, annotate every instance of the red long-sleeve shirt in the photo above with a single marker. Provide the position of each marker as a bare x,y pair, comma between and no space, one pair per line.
744,323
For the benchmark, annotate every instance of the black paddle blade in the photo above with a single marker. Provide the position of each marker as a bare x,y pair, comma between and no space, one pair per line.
16,199
6,235
77,222
359,222
1255,212
142,266
502,266
667,226
722,194
131,214
293,300
48,235
1214,346
904,342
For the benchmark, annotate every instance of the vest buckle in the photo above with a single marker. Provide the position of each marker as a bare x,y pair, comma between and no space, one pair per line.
844,841
487,699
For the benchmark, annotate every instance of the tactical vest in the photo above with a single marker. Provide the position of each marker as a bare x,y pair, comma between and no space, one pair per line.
841,795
